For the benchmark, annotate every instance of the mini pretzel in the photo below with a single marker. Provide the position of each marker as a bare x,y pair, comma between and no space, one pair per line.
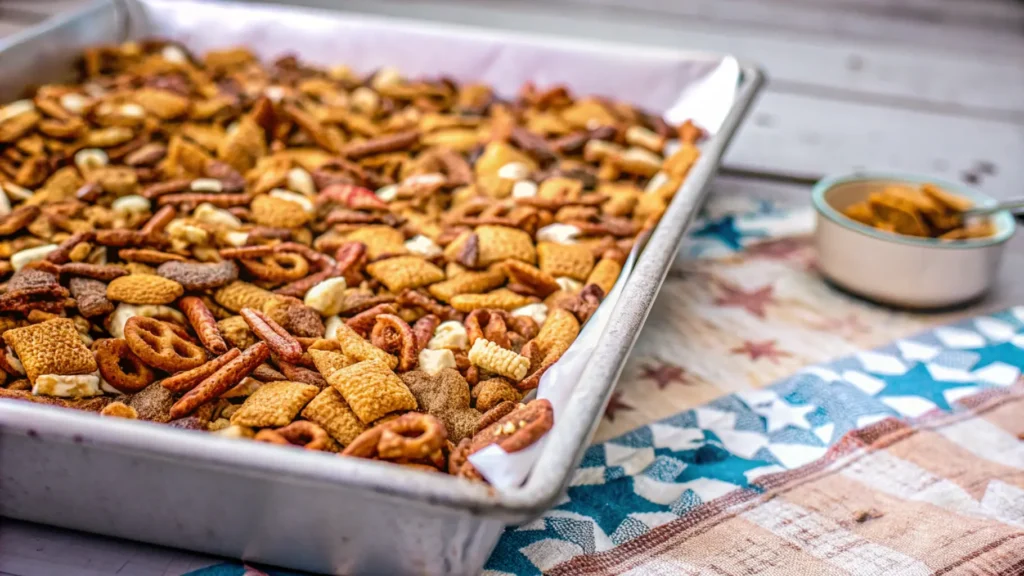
203,323
187,380
225,378
278,267
411,436
161,346
300,433
280,341
120,367
392,334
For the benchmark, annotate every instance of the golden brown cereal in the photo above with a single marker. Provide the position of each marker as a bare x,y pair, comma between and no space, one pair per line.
380,241
277,212
274,404
568,260
51,347
558,332
494,358
144,289
358,349
499,243
500,299
468,283
372,390
605,274
405,272
327,361
238,295
330,411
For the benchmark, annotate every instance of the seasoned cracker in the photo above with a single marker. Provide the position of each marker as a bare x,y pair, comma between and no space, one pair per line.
330,411
500,299
380,241
605,274
358,349
51,347
468,283
499,243
372,390
565,260
405,272
274,404
328,361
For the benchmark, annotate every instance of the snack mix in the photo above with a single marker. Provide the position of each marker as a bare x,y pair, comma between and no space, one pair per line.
926,211
375,266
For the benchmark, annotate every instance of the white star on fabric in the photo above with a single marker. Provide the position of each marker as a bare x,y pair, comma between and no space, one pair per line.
781,414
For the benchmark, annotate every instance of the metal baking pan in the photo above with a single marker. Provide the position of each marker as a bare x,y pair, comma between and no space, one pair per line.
288,507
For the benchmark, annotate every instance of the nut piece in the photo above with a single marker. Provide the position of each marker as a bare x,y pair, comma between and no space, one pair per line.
144,289
494,358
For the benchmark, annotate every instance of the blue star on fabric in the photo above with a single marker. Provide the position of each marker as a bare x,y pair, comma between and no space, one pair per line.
725,231
918,382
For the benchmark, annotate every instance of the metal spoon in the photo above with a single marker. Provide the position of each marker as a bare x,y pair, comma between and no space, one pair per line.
1013,206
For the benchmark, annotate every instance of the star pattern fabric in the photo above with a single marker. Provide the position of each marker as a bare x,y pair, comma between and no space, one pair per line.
738,438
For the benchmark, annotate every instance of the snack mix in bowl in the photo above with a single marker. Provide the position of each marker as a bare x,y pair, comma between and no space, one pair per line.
380,267
925,211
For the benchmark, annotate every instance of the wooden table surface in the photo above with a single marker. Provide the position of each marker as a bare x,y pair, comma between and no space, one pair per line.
928,86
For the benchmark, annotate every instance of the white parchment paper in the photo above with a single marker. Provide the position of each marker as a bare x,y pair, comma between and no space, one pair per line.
679,85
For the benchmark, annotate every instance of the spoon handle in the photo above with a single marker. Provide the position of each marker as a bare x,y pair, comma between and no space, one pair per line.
1014,205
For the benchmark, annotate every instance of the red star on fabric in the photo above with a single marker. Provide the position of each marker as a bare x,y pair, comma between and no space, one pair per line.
758,350
250,571
614,405
664,374
753,302
849,324
781,249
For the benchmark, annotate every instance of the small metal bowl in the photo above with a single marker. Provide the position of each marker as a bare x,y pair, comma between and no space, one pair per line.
897,270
